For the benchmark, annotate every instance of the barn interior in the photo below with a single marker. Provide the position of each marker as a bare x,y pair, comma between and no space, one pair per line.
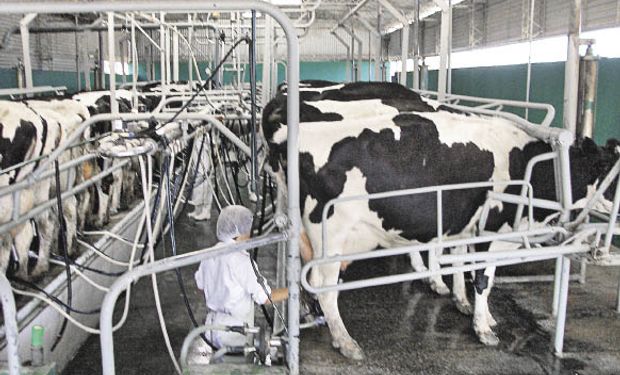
126,129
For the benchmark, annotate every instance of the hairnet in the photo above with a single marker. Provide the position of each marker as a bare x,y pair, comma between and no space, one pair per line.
234,221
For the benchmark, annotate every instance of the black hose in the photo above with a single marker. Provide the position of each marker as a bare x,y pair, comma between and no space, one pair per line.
62,241
173,245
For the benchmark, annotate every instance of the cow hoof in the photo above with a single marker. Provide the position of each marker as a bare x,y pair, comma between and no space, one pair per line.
488,338
464,307
439,288
350,350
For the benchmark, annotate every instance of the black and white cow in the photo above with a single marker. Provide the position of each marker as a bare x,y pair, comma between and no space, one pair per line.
122,183
366,138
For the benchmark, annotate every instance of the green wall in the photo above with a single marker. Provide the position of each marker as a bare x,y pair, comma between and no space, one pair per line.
508,82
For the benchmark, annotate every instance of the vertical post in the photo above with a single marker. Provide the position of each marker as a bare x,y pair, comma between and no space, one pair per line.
100,79
25,34
571,70
190,38
168,59
134,65
416,45
588,81
353,67
556,286
112,65
10,324
252,56
528,85
443,49
404,52
560,321
77,58
162,53
175,54
267,61
121,44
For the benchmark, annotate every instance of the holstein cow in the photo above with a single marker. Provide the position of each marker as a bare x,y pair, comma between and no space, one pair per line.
402,141
122,183
66,115
24,135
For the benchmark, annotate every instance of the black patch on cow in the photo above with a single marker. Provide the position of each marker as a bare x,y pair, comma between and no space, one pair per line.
44,132
392,94
16,151
418,159
481,282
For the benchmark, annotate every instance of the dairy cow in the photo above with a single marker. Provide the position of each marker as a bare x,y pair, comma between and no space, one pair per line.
106,197
402,141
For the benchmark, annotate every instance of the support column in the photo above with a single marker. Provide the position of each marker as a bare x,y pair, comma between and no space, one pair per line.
267,61
162,52
404,49
444,46
23,28
571,70
175,55
112,65
416,45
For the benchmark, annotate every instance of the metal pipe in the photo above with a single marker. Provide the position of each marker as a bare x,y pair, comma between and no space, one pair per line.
571,70
613,217
404,52
112,66
10,325
588,81
353,11
253,141
416,45
560,321
175,56
162,55
444,46
528,85
393,279
23,27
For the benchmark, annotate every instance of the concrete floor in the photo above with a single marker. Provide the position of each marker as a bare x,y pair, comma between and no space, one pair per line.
403,328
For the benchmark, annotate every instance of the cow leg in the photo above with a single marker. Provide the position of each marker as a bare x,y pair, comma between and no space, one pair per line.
329,303
5,252
115,189
459,293
69,208
483,321
22,241
45,227
435,282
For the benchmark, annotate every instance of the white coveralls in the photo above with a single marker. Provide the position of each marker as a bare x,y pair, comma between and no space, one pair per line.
202,193
231,288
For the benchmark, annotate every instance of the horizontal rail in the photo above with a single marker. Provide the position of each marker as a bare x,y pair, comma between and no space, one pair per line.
550,253
73,191
491,102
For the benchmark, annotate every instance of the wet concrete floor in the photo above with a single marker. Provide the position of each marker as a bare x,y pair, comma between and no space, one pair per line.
403,328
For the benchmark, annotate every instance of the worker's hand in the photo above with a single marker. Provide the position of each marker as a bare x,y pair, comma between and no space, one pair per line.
278,295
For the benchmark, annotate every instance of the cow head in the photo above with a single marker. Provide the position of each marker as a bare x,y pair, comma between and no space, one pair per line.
590,165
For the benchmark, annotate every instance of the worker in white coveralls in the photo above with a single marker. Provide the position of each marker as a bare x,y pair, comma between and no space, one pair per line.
202,193
230,283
